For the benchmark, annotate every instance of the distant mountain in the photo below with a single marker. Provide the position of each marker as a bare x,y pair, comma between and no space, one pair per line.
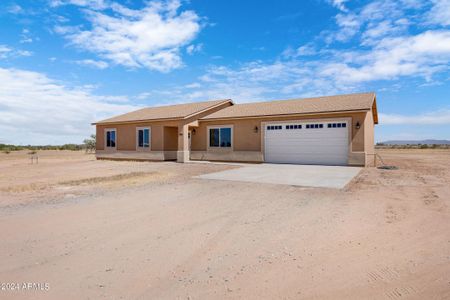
423,142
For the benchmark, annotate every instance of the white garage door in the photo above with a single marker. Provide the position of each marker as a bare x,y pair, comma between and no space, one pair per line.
324,143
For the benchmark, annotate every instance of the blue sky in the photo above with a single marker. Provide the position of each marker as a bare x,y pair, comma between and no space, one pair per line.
67,63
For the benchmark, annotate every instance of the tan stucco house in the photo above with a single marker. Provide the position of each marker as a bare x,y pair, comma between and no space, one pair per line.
332,130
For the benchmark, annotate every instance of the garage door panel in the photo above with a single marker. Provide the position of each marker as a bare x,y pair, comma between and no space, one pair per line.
312,136
286,155
301,142
306,143
300,148
307,132
312,160
307,146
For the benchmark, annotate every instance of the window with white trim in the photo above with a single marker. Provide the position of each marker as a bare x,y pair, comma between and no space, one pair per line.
110,138
143,137
220,137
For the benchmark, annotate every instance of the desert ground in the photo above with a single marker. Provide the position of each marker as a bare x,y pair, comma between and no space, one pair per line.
149,230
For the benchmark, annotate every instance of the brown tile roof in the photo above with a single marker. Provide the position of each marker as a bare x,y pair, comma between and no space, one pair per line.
178,111
362,101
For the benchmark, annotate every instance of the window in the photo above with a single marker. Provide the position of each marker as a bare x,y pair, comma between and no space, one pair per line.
220,137
288,127
337,125
110,138
314,126
143,137
276,127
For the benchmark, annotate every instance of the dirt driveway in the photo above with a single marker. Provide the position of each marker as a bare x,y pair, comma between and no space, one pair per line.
152,231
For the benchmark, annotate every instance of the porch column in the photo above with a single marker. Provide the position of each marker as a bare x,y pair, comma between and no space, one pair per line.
183,143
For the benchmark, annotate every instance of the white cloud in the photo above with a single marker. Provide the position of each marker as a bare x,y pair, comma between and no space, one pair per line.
98,64
339,4
36,109
191,49
305,50
26,40
376,19
4,51
440,13
388,51
335,71
143,96
349,26
377,30
254,81
421,55
24,53
25,37
15,9
7,52
440,117
94,4
149,38
194,85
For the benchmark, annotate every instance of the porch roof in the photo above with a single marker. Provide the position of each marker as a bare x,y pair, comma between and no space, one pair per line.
168,112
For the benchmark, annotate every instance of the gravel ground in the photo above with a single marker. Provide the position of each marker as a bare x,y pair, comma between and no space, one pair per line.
102,229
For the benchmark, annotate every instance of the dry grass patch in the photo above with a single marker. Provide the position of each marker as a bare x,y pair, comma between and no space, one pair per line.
25,188
133,178
115,178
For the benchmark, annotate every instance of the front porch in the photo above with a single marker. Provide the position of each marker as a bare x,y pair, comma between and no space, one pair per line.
169,142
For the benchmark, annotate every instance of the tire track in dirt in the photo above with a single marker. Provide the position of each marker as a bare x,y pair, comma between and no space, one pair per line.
401,292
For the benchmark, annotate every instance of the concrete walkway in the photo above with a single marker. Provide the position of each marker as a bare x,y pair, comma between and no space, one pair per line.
298,175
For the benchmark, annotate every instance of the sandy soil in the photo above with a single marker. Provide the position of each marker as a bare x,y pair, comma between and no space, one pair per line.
158,233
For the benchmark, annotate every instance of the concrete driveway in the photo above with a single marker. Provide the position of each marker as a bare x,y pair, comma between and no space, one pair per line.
298,175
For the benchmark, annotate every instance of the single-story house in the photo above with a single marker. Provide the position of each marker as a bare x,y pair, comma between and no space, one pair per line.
332,130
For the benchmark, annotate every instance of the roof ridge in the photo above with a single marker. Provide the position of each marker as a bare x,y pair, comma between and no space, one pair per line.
319,104
189,103
297,99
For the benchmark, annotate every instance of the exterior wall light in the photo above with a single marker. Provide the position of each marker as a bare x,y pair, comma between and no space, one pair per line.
193,131
357,126
255,129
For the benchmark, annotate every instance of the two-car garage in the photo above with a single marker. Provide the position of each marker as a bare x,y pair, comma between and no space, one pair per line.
311,142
